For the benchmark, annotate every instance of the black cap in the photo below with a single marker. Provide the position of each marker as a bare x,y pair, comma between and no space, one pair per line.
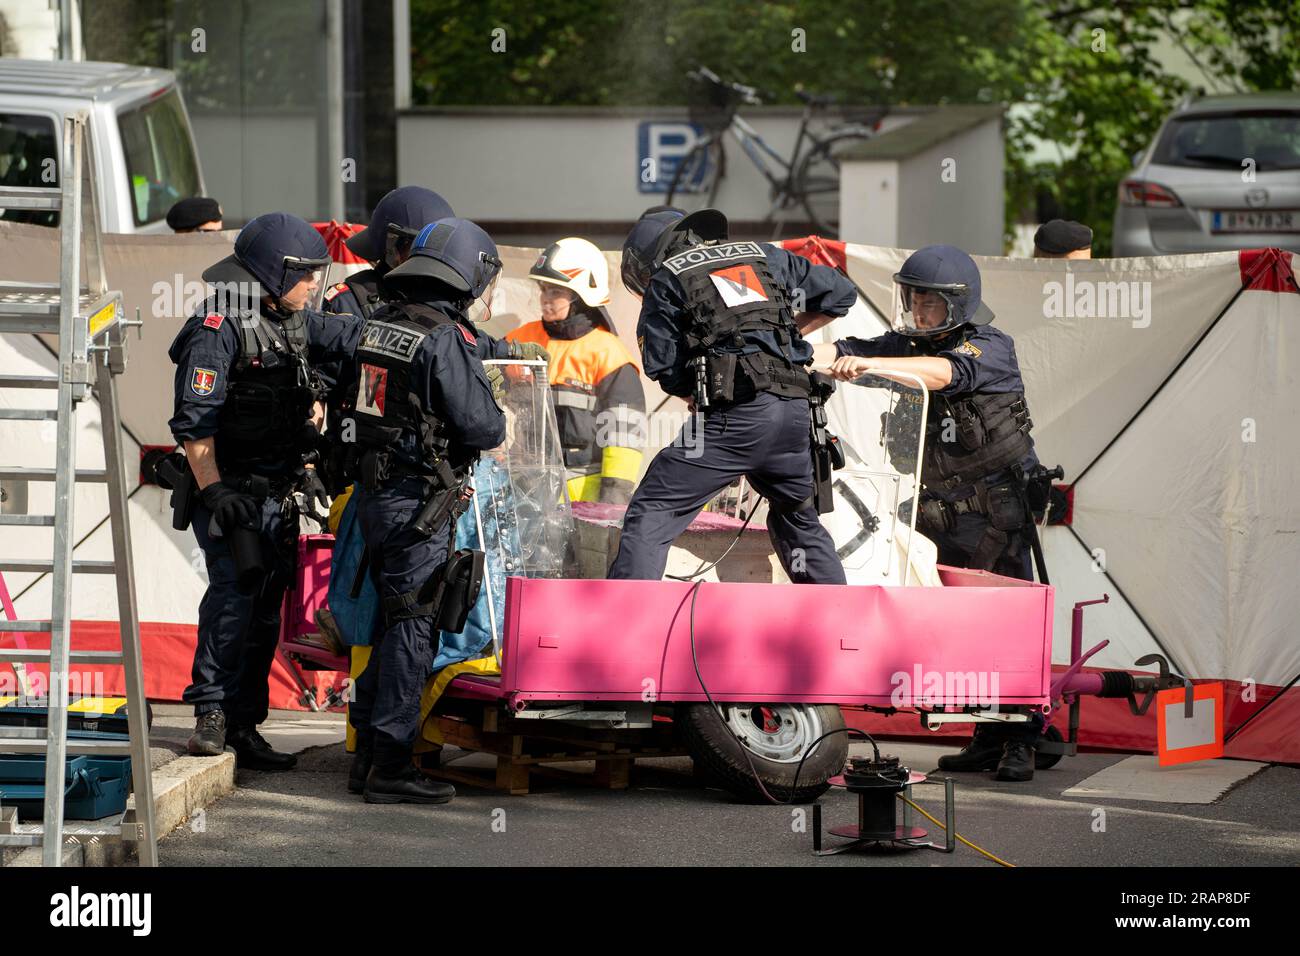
1061,236
193,212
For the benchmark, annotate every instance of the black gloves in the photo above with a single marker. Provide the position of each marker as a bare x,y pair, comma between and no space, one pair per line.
313,489
231,509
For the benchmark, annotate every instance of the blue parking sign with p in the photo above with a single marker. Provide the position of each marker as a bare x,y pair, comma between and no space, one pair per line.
662,146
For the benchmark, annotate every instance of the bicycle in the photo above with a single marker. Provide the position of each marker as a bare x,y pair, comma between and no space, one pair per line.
809,179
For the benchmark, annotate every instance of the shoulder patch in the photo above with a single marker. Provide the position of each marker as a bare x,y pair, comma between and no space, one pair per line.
203,381
467,335
335,290
967,348
214,320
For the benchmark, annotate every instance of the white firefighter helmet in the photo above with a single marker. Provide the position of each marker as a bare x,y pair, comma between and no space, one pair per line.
575,264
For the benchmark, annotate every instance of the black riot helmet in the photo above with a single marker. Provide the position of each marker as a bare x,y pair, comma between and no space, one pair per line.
655,234
273,253
455,253
396,221
936,291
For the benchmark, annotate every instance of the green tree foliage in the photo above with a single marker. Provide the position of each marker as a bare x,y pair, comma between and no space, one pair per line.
1088,69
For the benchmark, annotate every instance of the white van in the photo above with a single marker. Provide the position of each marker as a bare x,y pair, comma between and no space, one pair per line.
144,149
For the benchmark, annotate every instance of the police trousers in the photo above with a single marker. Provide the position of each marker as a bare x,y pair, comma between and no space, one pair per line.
765,440
386,711
238,632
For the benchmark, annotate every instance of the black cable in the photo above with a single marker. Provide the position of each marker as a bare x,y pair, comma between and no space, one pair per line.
838,730
745,750
703,568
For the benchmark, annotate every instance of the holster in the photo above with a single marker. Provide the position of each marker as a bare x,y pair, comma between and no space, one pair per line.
444,500
448,595
174,470
827,453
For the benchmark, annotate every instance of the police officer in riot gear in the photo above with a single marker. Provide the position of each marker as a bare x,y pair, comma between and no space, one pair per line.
424,409
718,327
978,447
386,243
398,218
244,392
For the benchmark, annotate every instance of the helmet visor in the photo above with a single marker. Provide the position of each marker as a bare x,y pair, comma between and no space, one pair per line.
922,311
480,310
312,271
397,244
635,272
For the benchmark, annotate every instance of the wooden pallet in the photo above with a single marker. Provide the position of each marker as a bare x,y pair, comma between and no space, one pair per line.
526,747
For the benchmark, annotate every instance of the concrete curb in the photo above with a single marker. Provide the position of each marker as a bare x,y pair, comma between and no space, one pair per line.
182,787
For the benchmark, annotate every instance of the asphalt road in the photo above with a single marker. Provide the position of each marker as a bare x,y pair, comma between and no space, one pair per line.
307,818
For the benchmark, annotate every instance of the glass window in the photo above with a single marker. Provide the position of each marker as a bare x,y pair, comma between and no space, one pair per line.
159,158
28,157
1270,137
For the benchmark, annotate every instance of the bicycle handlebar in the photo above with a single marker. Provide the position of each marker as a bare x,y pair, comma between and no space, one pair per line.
748,94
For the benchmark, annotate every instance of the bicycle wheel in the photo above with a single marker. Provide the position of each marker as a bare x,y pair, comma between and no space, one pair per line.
695,183
816,184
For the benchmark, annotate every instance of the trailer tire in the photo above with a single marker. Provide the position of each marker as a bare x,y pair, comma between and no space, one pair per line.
713,744
1044,761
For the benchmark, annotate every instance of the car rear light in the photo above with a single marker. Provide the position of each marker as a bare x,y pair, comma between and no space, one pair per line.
1135,192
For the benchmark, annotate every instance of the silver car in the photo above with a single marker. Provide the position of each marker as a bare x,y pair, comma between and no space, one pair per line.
1222,173
144,151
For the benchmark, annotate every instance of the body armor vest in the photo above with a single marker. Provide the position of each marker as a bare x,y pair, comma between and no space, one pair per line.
730,291
364,286
389,414
992,433
272,389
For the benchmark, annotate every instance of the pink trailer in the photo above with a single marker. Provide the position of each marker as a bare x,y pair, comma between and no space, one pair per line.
852,645
779,661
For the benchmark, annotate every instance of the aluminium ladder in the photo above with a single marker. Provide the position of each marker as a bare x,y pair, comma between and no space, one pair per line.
91,351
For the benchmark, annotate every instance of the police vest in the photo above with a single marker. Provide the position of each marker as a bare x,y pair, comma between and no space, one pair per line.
272,389
985,432
730,291
364,286
387,409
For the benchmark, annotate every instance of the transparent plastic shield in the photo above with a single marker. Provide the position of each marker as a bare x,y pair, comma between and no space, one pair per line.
881,422
519,515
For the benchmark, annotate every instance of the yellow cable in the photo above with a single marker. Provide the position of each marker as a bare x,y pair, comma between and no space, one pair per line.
957,835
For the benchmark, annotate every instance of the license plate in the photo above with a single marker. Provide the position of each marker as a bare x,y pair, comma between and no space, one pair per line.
1270,220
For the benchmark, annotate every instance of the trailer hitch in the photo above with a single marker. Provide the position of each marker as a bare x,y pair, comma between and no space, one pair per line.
1151,685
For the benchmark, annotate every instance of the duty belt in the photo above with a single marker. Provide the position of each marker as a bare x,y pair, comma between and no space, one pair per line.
260,486
971,505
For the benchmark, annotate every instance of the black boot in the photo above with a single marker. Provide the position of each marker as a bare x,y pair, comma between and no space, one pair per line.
1017,763
252,752
209,738
361,761
981,753
407,785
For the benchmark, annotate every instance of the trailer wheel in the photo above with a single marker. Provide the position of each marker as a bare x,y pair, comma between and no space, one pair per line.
776,737
1044,761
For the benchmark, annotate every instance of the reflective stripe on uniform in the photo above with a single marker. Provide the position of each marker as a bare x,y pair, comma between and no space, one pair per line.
568,398
584,488
624,463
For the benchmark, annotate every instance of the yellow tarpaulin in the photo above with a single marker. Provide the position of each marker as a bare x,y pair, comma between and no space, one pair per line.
435,688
